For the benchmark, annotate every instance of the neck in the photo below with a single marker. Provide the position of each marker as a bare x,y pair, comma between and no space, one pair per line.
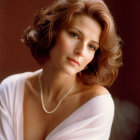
56,83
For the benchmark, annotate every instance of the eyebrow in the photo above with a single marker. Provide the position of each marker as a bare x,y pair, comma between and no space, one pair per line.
83,34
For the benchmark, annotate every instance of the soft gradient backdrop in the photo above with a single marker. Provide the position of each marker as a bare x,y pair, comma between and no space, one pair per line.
16,15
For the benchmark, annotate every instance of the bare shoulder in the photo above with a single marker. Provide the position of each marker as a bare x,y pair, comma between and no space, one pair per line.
95,90
99,90
103,102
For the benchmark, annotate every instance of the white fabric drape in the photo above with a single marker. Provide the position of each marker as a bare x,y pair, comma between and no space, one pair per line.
92,121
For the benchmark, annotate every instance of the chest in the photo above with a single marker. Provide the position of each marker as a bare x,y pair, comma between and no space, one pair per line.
38,124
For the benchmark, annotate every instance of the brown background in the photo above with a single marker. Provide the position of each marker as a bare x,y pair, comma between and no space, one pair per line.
16,15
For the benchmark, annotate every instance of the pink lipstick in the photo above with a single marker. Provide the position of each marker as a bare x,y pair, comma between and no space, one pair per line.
74,61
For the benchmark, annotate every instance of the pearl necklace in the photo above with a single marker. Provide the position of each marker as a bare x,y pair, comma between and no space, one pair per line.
41,95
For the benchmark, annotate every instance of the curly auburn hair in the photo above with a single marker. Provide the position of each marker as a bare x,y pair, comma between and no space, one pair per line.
41,35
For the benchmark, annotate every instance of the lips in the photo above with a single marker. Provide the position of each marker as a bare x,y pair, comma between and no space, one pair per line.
74,61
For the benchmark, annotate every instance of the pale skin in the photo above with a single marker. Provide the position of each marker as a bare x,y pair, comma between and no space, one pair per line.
75,47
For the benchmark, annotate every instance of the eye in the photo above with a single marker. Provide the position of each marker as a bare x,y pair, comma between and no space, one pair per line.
92,47
74,35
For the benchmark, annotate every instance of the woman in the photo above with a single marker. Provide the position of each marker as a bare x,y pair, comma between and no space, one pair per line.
76,44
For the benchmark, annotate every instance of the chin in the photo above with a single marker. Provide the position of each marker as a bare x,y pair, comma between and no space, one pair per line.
71,71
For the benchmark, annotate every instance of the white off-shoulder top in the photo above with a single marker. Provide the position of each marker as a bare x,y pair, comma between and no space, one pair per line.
91,121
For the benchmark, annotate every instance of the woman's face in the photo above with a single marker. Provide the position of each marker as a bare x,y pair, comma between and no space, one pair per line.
76,44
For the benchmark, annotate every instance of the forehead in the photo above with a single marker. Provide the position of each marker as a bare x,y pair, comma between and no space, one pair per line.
89,26
82,19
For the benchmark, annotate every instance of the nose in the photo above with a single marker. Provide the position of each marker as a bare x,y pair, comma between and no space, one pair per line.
80,49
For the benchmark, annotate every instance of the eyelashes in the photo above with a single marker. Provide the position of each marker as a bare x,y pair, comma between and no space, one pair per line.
92,47
76,36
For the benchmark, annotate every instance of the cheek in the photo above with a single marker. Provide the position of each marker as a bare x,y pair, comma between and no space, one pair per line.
66,43
90,58
63,44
